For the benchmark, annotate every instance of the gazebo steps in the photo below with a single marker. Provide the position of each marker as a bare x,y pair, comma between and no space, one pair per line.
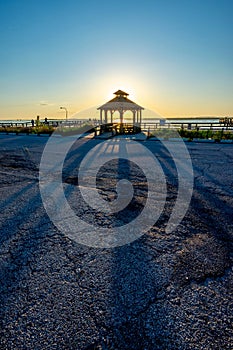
104,136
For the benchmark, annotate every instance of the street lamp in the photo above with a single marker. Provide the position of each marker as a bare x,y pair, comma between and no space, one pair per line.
66,111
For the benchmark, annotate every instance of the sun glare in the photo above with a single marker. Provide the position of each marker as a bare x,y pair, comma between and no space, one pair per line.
124,87
122,81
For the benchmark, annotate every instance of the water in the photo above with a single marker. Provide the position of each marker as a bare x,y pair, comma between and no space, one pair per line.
216,120
24,121
186,121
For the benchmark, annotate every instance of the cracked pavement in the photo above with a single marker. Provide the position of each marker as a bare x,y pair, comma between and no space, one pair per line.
163,291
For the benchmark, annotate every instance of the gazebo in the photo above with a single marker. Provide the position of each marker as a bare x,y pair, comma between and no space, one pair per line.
121,104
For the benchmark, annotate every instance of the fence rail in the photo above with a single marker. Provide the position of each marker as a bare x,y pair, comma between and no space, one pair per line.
187,125
221,124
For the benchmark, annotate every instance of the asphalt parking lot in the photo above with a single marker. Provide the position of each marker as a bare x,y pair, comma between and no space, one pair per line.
162,291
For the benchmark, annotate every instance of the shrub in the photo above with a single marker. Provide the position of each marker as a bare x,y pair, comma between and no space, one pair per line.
43,129
66,131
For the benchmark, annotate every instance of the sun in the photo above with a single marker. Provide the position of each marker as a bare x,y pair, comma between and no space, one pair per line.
121,81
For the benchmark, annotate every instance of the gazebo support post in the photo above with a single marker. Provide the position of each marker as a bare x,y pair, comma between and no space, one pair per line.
121,121
121,116
101,116
134,112
105,116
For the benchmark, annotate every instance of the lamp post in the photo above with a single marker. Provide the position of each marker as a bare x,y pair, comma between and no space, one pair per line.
66,111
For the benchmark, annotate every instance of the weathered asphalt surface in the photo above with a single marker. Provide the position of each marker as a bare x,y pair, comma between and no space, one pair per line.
163,291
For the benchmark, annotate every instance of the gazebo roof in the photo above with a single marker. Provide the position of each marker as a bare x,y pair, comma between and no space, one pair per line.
120,92
121,101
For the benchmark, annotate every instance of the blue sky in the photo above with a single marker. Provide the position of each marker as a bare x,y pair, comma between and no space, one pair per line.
172,56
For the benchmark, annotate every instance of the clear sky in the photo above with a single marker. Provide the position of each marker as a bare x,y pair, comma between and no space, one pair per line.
172,56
